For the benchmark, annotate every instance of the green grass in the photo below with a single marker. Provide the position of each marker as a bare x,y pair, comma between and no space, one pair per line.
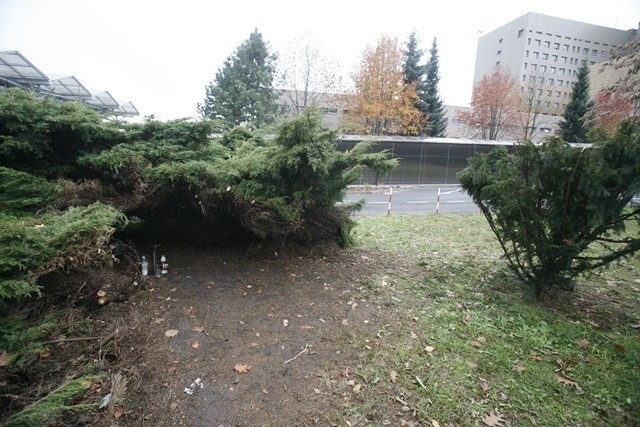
466,341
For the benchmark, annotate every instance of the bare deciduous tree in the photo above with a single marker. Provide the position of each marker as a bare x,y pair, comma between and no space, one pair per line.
308,75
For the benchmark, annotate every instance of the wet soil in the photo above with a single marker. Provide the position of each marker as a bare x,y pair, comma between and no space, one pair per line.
263,328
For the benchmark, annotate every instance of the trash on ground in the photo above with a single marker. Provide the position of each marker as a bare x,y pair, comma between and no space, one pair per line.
194,385
105,401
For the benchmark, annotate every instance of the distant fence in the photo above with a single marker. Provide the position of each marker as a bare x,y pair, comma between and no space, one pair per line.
422,160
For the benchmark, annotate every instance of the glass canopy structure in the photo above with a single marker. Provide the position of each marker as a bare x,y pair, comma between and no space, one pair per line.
18,71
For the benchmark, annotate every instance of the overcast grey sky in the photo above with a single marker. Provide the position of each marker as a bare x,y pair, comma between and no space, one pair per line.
161,54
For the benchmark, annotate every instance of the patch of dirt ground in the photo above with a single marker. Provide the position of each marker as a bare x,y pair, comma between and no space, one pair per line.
283,317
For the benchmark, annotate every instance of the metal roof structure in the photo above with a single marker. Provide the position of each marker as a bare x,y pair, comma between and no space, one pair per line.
127,109
15,67
18,71
68,87
103,100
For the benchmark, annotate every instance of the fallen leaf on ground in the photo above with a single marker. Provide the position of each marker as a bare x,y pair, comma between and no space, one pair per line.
4,358
585,344
101,293
45,354
170,333
414,335
117,414
102,300
475,344
285,322
493,420
429,349
242,368
484,385
356,388
519,368
173,406
567,381
317,390
393,375
198,329
434,423
195,344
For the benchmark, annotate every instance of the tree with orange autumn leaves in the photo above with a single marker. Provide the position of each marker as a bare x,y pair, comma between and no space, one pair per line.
382,104
494,107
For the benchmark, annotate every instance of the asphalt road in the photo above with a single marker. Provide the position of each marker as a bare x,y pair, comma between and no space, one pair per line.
413,200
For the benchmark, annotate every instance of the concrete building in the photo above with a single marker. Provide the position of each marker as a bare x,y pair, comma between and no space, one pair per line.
544,53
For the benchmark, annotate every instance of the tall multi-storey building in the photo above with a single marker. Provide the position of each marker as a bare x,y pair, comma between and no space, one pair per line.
544,54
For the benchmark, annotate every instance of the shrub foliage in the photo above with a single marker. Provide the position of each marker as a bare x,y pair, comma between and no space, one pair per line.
559,211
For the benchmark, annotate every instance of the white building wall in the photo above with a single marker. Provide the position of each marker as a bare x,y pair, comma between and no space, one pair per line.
546,52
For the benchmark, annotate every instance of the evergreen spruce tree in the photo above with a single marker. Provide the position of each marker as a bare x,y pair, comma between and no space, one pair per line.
414,73
437,120
572,127
242,91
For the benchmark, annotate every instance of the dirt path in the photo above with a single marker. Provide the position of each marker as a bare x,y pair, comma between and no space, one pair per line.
282,317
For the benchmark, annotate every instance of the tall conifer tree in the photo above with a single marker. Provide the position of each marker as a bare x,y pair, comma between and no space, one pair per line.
436,120
414,75
242,91
572,127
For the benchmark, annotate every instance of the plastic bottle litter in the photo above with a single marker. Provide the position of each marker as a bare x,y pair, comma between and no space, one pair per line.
197,383
145,265
105,401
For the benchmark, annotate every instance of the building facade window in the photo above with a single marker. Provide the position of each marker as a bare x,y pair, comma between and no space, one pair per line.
565,47
499,52
552,70
520,33
537,42
551,81
547,44
543,68
594,52
534,67
563,59
545,56
560,82
586,51
525,66
556,46
561,71
557,94
555,58
536,55
500,41
529,41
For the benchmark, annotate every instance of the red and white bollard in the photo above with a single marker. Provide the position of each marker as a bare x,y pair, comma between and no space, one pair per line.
438,202
389,208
